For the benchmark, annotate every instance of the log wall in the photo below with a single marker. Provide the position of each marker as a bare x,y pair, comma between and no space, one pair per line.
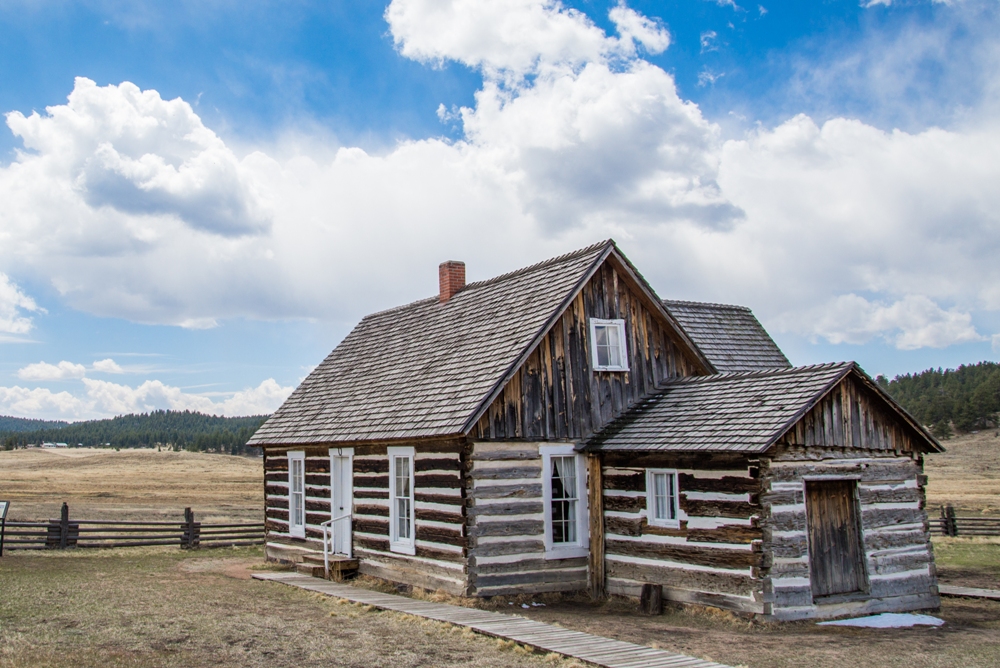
440,561
506,525
713,558
896,540
556,396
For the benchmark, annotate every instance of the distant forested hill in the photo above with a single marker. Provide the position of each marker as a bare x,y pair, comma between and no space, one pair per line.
174,429
16,424
966,398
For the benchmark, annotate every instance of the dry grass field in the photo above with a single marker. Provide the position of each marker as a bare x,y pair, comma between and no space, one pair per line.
168,607
967,475
153,607
130,484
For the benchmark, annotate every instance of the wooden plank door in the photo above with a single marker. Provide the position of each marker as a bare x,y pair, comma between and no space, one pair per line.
836,555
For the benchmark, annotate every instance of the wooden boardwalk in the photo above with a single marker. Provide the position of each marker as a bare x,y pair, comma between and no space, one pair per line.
576,644
969,592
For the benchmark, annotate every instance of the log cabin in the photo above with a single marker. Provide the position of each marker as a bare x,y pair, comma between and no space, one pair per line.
561,428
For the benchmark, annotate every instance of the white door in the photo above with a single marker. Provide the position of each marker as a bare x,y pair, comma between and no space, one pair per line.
341,493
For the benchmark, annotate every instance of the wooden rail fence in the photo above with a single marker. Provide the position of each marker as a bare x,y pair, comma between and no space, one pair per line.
66,533
951,525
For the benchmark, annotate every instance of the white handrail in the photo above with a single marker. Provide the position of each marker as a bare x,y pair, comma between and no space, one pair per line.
326,545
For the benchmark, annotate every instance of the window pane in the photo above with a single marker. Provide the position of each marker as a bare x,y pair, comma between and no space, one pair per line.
564,498
659,496
672,496
601,333
403,519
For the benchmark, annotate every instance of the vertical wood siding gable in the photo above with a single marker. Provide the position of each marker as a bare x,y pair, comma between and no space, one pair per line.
556,396
851,416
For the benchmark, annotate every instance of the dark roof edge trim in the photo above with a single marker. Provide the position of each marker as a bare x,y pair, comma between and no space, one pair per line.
549,323
651,295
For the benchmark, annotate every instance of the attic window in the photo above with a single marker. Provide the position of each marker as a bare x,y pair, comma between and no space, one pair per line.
607,345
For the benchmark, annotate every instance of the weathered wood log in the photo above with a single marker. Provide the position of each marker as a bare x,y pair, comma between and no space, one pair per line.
537,577
437,480
371,493
501,455
508,492
708,581
727,533
714,508
506,473
317,505
727,484
513,508
377,511
444,499
439,516
434,534
371,481
527,565
897,495
437,464
366,525
318,465
505,528
873,518
380,465
691,554
629,482
625,504
507,547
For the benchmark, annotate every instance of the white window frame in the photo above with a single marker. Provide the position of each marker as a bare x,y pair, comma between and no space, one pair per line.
651,518
397,544
620,324
581,547
296,457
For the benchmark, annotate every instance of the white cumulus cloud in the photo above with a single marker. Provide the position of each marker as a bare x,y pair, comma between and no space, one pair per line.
130,207
100,399
912,322
45,371
13,302
107,366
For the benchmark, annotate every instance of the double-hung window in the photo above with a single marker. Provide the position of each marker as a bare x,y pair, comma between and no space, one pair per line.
608,351
565,508
297,494
401,522
661,498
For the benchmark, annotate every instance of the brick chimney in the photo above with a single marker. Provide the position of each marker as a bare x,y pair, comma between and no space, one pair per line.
451,279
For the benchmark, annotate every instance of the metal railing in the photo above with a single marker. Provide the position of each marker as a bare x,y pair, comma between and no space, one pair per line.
328,535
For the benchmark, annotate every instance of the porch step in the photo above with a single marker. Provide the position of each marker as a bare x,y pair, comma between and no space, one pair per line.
341,568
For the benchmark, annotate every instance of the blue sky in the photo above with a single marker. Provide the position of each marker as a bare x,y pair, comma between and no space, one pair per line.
211,194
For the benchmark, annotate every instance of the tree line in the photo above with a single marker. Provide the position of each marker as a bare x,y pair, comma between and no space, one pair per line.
176,430
964,399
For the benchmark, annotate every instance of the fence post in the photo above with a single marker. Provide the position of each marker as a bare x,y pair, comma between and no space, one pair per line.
64,527
192,530
952,524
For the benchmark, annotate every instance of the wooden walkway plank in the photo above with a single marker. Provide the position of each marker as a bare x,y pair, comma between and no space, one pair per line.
969,592
593,649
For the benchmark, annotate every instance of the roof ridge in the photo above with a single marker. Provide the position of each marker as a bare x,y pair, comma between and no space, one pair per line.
730,375
685,302
502,277
540,265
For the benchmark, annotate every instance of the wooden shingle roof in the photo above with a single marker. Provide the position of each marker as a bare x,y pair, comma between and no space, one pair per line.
734,412
423,369
729,336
